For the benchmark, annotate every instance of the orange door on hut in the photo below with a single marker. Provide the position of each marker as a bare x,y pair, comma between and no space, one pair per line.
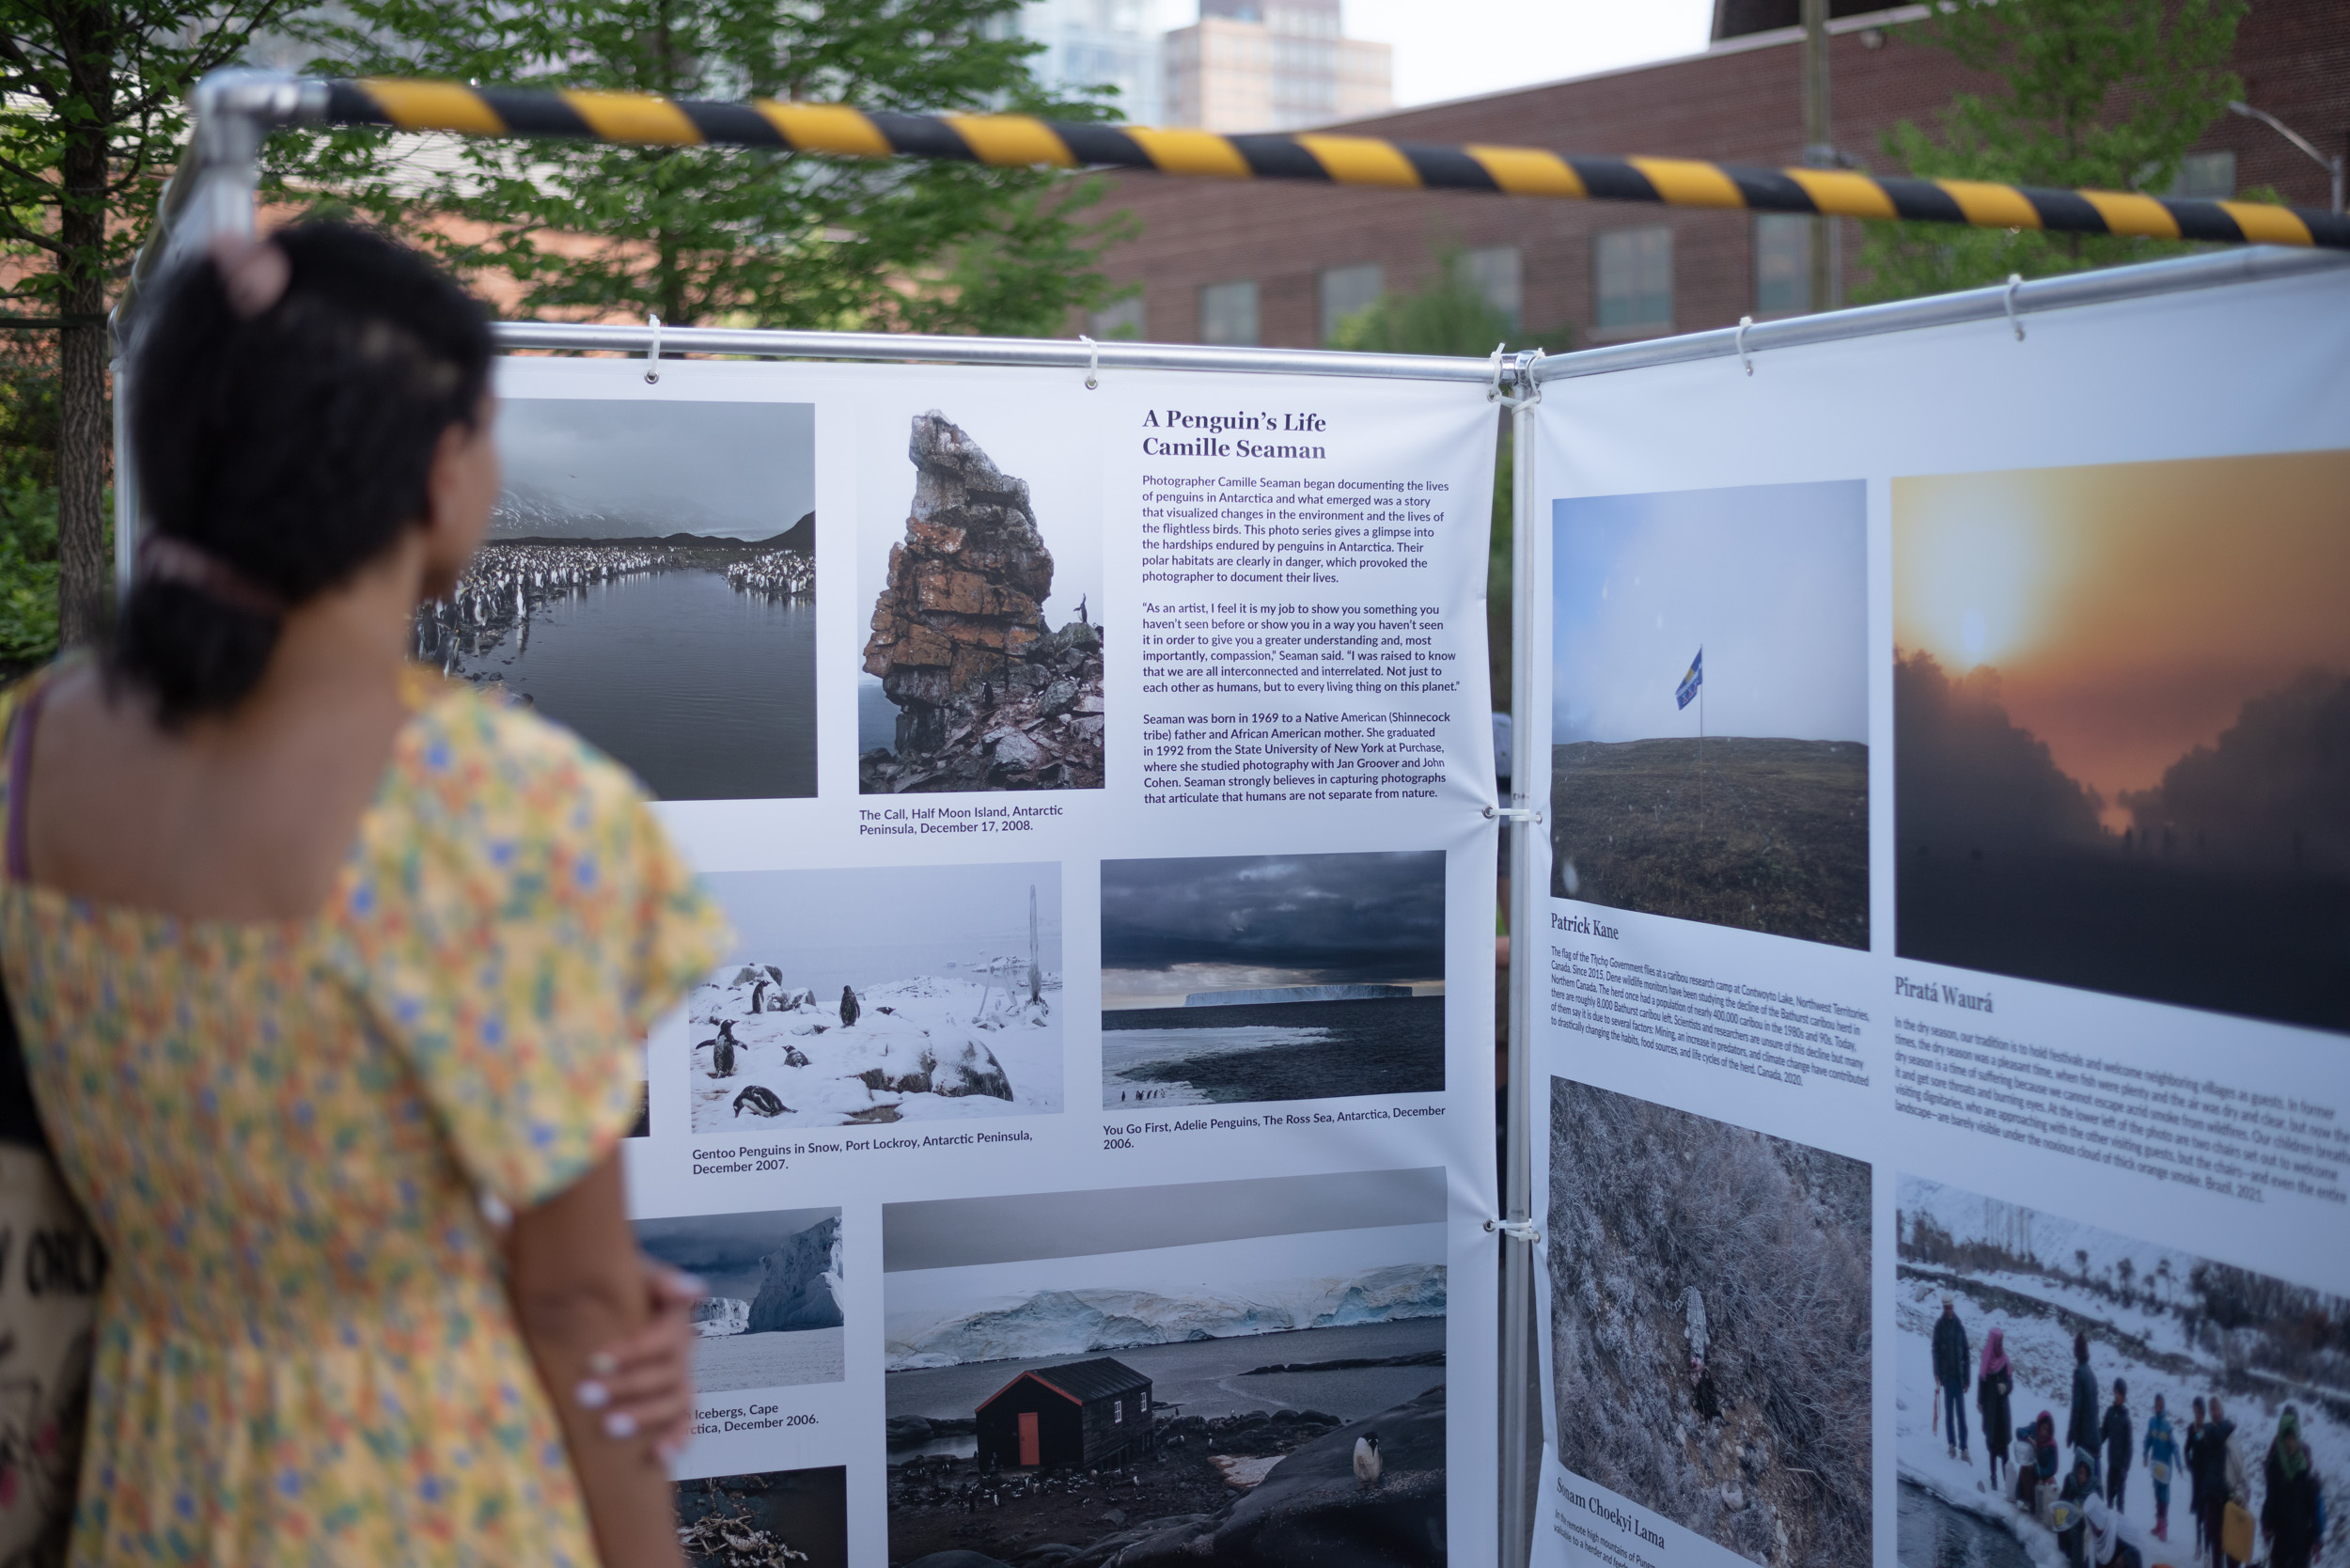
1031,1448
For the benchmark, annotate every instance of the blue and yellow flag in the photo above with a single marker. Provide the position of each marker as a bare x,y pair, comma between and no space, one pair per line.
1686,692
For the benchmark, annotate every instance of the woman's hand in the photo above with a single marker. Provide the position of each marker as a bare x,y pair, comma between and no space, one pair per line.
644,1382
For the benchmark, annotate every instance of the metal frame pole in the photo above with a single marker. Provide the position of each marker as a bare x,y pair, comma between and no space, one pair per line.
1520,1418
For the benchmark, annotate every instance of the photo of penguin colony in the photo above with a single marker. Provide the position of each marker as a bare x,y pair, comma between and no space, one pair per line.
982,1040
508,584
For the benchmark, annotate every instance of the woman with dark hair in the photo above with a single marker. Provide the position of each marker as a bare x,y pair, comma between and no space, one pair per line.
321,964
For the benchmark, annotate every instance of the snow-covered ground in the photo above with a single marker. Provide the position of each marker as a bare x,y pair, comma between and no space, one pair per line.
1075,1323
928,1047
2039,1344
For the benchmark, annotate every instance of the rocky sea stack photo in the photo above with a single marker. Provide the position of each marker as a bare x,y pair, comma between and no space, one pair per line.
989,695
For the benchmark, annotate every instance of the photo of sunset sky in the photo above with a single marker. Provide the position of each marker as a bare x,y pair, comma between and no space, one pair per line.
2122,728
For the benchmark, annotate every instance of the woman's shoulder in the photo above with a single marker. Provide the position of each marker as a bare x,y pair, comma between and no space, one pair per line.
485,799
480,752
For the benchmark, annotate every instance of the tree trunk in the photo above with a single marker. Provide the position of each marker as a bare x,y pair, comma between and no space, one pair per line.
84,572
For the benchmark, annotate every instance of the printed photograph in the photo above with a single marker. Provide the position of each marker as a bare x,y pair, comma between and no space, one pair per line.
2122,729
983,666
1709,1325
781,1519
881,993
1710,707
772,1319
2052,1378
649,580
1231,978
1221,1372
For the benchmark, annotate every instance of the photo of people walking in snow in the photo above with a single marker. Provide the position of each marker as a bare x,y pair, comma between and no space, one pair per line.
2139,1406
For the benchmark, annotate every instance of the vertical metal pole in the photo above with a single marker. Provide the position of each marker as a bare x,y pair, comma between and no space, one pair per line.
1529,775
1818,150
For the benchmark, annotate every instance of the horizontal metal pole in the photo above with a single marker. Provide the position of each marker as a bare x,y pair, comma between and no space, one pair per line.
2039,295
1054,352
1021,141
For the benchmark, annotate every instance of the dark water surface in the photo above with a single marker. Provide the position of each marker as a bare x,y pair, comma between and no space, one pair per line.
1932,1534
1309,1051
704,692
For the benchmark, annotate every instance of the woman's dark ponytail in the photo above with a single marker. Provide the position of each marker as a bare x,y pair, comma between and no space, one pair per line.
282,438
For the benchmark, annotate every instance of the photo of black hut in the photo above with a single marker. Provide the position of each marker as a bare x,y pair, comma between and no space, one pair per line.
1084,1414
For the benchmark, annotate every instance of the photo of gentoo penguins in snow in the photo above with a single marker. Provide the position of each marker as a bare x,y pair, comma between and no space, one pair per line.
2060,1386
1709,1332
1234,979
772,1317
649,580
969,684
885,994
1221,1372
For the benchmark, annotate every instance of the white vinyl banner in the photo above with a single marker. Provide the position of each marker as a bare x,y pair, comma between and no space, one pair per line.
1088,1144
1942,930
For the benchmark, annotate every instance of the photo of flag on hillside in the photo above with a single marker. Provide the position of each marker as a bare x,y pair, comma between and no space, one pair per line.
1737,796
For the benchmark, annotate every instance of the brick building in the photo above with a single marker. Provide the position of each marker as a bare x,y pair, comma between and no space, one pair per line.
1276,263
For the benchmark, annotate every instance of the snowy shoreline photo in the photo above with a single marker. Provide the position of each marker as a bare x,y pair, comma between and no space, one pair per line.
881,994
1239,1367
1239,978
2160,1320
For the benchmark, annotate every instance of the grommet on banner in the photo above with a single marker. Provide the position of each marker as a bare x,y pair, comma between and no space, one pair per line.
1513,813
2014,281
1093,362
1493,387
1516,1229
1744,323
653,354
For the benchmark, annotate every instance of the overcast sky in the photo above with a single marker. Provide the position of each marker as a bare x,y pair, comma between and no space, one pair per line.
954,1232
642,466
1242,923
1456,48
1770,580
725,1250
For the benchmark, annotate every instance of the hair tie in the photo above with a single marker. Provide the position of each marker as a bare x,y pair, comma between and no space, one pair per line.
253,272
163,558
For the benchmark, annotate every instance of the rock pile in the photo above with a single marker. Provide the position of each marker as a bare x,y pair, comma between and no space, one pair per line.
988,696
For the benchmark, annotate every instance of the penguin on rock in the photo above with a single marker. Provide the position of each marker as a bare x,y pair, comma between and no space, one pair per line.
1367,1460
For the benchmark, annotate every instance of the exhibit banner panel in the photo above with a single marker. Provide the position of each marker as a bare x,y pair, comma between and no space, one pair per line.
1089,1141
1941,929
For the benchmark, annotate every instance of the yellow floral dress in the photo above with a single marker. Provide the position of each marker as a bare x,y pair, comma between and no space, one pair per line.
283,1132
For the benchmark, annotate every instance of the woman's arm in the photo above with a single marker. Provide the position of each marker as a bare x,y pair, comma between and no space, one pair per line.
578,1288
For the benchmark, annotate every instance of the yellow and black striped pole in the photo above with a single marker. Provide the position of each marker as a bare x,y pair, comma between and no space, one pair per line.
1023,141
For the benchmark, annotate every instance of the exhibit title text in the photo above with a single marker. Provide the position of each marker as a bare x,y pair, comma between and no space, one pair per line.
1213,427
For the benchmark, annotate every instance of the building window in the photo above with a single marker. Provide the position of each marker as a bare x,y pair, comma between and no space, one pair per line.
1636,280
1498,275
2206,177
1123,319
1228,314
1346,291
1117,1410
1783,263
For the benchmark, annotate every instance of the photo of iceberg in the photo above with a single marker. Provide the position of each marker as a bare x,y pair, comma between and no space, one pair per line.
772,1317
880,994
1235,979
1253,1371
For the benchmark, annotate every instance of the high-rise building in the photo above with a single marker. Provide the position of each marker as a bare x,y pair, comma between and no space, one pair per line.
1272,64
1094,43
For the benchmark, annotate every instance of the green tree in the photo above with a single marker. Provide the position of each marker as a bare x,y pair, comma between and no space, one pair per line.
2103,94
93,123
1450,316
719,235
